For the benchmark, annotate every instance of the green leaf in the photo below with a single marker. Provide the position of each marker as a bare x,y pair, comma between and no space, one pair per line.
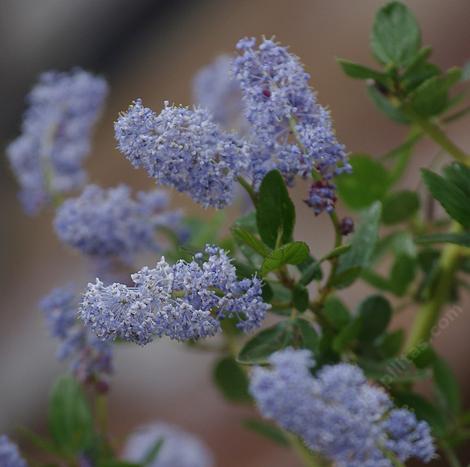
399,206
310,269
262,345
335,252
347,336
384,105
309,336
300,298
396,37
366,172
423,356
432,96
462,239
231,380
452,198
41,443
247,222
374,314
336,313
357,71
70,418
151,455
245,236
418,74
402,274
447,385
275,213
391,343
459,175
292,253
267,430
362,246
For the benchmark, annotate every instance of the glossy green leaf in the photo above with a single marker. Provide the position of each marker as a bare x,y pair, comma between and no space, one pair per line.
402,274
336,313
247,222
399,206
384,105
245,236
338,251
395,38
452,197
70,418
309,337
417,75
366,172
262,345
151,455
275,212
391,343
300,298
267,430
447,385
374,314
231,380
363,243
310,270
347,336
432,96
291,253
357,71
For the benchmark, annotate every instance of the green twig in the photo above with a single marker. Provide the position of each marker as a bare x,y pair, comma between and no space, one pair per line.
249,189
428,314
439,137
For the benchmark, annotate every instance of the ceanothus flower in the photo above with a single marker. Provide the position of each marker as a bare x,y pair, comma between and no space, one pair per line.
103,223
337,413
215,89
47,157
184,301
9,454
90,357
321,197
183,148
408,437
291,132
178,448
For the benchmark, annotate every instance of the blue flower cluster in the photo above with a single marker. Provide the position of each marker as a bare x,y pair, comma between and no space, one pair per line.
47,157
91,358
292,132
183,148
337,413
108,222
9,454
178,449
215,89
183,301
283,128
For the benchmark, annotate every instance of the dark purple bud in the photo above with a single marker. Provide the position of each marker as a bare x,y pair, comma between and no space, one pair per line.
346,226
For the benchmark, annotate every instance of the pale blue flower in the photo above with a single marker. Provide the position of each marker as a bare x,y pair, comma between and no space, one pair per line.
47,157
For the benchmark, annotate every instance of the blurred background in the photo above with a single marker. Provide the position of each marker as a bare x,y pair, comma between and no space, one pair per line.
151,49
